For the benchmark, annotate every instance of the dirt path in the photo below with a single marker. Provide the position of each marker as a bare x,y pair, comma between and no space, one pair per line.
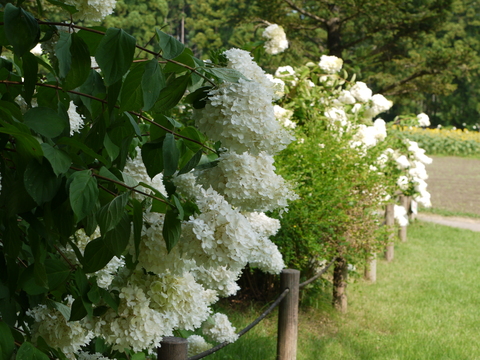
459,222
454,184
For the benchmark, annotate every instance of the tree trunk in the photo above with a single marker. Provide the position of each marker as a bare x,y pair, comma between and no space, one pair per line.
402,232
371,268
340,277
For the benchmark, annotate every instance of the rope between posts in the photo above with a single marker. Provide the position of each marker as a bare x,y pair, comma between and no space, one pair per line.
263,315
323,271
246,329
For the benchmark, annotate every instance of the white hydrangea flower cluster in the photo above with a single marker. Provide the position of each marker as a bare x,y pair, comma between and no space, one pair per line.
248,182
369,136
136,173
57,331
197,345
276,39
423,120
241,117
400,215
76,120
330,64
220,329
283,116
136,325
81,355
92,10
414,172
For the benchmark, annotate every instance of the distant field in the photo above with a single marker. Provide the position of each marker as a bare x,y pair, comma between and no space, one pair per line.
454,184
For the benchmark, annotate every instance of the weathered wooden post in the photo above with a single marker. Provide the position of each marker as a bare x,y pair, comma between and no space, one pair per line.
173,348
288,316
370,273
389,223
402,232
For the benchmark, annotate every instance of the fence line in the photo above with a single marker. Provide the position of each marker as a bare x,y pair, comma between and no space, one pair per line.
171,345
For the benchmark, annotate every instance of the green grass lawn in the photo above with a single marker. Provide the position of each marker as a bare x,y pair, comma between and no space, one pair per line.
425,305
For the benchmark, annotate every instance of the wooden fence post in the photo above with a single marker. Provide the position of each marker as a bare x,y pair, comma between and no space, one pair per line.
402,232
173,348
288,316
371,268
389,223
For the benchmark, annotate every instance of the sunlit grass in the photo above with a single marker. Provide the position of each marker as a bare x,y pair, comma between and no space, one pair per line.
425,305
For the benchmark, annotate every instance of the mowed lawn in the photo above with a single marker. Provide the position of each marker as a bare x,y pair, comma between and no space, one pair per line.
425,305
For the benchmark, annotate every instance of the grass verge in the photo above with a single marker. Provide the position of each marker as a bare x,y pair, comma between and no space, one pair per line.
424,306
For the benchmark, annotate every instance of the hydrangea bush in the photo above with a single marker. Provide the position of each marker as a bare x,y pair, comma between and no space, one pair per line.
123,222
345,166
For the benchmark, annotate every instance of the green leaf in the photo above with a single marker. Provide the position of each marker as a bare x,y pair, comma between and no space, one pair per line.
83,193
192,133
153,81
30,70
115,54
92,39
170,46
78,311
108,174
185,58
45,121
199,97
7,342
80,63
134,124
172,94
112,149
62,51
152,156
94,295
40,182
172,228
110,215
29,352
170,155
81,146
132,94
59,160
117,239
21,29
57,273
97,255
109,298
64,309
190,165
227,75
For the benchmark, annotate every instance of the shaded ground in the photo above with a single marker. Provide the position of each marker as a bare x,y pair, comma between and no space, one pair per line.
454,184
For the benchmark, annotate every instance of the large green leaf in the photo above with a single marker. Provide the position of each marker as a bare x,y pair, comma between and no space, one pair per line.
40,182
115,54
117,239
110,215
81,146
172,94
172,228
192,133
27,145
29,352
83,193
57,273
132,95
170,155
224,74
21,29
62,51
7,342
59,160
45,121
153,81
97,255
170,46
30,70
152,156
80,63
